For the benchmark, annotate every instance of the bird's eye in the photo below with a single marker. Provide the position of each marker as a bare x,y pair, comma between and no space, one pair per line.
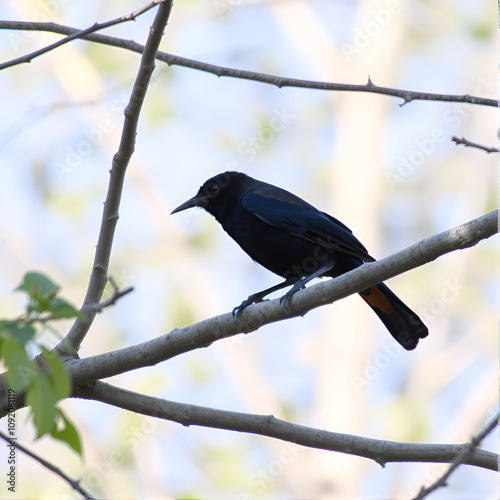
213,189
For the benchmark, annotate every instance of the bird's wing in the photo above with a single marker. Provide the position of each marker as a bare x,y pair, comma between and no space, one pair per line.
284,210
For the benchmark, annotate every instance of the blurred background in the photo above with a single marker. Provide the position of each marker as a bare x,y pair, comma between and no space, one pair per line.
390,173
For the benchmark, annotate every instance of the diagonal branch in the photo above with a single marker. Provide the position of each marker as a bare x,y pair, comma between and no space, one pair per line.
380,451
71,343
79,34
72,482
204,333
278,81
461,458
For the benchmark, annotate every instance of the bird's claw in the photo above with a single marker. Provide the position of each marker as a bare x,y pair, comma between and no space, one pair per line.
247,302
239,309
285,300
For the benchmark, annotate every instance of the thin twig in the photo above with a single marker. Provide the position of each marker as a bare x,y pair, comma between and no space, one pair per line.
79,34
117,294
465,142
173,60
121,159
88,308
381,451
72,482
461,458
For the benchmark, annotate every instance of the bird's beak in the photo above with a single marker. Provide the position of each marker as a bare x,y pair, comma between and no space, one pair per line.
195,201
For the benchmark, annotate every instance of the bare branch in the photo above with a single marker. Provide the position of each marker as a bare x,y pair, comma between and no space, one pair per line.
72,482
461,458
204,333
79,34
463,141
380,451
110,216
278,81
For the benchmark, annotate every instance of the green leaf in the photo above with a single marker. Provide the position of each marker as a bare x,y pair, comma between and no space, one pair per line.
36,284
43,297
21,370
42,398
68,434
14,328
59,376
60,308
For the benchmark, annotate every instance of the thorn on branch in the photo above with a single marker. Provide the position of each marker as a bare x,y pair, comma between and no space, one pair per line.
270,419
406,99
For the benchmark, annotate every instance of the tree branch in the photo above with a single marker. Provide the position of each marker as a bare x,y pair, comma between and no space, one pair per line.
79,34
72,482
71,343
461,458
380,451
278,81
205,332
464,142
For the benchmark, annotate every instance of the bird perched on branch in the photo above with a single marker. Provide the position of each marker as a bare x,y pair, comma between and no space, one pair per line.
295,240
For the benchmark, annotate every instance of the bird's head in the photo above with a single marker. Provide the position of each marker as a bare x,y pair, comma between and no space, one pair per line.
218,194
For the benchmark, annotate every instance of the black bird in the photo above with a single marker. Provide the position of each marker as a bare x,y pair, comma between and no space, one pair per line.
295,240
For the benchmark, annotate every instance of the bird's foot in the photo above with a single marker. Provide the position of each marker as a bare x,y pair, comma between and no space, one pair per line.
253,299
285,300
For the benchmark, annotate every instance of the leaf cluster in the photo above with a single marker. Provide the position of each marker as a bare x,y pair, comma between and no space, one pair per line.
44,379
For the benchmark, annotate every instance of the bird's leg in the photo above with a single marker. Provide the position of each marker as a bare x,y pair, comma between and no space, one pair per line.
259,297
299,285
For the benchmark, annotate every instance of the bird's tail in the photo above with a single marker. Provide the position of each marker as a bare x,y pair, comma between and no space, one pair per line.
403,324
